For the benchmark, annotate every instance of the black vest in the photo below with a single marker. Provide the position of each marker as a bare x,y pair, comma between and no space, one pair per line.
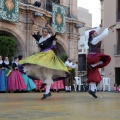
95,48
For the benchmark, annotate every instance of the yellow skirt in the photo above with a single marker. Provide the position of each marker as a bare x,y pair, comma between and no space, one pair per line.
44,65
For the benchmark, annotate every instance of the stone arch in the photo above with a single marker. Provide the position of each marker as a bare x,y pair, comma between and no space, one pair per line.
61,46
10,30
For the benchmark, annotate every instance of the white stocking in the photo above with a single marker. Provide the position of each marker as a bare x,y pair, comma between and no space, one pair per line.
70,88
92,86
66,88
47,88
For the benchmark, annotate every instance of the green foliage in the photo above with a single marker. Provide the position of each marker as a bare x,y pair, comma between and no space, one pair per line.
64,57
7,46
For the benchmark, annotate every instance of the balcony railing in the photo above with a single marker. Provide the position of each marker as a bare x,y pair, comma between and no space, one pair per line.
116,49
23,1
47,5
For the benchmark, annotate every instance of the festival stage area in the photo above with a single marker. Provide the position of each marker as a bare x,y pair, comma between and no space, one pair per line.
60,106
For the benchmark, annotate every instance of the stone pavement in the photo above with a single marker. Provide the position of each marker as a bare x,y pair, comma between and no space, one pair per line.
60,106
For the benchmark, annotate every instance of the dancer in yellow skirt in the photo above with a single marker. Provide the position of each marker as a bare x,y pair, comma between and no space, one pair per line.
45,64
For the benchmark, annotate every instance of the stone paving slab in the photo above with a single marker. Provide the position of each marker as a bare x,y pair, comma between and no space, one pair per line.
60,106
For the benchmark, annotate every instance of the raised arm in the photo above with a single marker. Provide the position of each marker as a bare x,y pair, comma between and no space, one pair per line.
98,29
100,37
51,29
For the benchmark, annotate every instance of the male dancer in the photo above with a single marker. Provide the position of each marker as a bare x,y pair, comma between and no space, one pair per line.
96,59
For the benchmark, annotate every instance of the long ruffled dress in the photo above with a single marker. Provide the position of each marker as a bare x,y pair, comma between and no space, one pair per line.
3,80
15,80
44,65
3,77
28,81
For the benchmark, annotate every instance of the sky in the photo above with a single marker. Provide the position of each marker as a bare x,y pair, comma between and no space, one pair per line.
94,9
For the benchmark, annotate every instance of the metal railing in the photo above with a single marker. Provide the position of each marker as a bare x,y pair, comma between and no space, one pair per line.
23,1
48,5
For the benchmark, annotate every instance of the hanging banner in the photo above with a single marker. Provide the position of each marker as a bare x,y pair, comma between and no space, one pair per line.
9,10
58,18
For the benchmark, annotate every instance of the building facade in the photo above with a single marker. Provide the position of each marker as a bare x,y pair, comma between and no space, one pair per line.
111,44
86,17
67,43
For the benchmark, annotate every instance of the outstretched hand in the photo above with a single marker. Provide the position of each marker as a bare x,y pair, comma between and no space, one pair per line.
46,22
101,25
32,19
47,25
111,27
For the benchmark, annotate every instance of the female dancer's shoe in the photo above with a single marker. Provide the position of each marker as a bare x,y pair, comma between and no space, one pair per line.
92,93
46,95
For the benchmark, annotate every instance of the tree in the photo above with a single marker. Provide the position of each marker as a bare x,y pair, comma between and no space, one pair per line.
64,57
7,46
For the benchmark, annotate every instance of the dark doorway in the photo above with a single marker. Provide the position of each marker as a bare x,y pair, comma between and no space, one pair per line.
82,62
117,75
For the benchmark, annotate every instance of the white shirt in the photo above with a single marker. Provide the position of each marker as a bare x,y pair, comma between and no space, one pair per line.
44,38
100,37
68,64
1,61
73,66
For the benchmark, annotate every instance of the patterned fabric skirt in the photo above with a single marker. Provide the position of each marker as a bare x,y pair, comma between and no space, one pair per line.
15,81
44,66
38,84
3,80
93,75
57,85
29,83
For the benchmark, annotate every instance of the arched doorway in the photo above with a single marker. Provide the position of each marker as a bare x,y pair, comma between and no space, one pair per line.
18,44
59,50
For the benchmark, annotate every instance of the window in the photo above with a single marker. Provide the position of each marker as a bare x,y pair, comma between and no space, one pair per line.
118,11
82,62
49,4
118,42
56,1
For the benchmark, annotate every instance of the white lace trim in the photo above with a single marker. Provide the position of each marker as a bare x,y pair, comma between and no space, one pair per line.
44,38
1,61
6,62
16,63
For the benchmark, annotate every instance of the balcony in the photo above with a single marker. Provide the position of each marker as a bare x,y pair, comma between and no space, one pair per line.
46,5
23,1
116,49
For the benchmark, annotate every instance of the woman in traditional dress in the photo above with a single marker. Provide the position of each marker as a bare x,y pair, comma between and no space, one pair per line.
3,77
96,59
15,80
44,64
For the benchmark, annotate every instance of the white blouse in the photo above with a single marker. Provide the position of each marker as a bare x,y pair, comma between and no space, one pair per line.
100,37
